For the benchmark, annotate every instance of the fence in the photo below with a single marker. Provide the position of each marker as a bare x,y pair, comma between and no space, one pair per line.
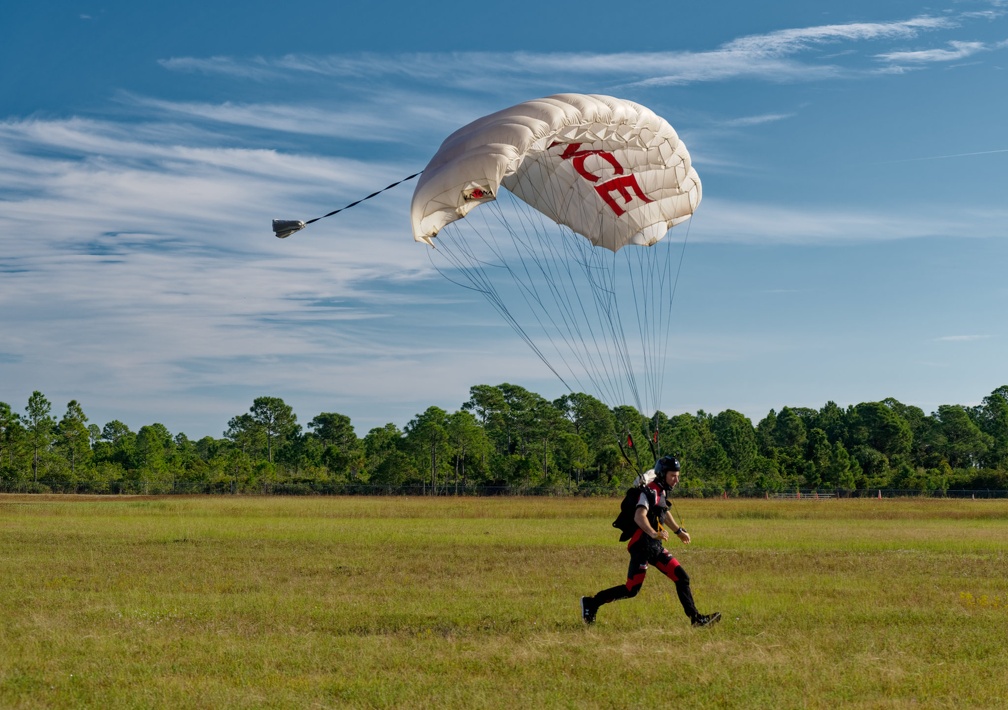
322,488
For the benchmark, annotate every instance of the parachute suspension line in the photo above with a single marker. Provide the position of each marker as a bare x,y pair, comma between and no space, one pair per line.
678,517
560,252
602,367
593,271
597,267
546,255
607,304
649,300
611,351
627,434
633,464
533,244
542,256
540,265
457,251
619,332
654,267
544,271
593,352
675,287
650,269
578,261
283,228
551,268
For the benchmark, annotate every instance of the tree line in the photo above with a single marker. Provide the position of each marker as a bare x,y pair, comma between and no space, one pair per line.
508,439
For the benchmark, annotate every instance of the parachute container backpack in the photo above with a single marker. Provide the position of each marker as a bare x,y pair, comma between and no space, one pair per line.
625,522
557,210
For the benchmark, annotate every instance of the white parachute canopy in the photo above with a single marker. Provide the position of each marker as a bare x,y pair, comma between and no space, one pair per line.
565,183
609,169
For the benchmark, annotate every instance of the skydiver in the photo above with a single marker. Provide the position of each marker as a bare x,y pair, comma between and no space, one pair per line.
645,547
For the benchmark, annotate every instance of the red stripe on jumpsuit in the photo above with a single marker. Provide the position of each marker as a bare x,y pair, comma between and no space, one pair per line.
669,570
637,580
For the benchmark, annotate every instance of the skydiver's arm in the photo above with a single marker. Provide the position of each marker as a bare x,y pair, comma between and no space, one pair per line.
673,525
640,517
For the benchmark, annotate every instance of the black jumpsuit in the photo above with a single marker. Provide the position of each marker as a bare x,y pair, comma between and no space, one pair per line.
646,551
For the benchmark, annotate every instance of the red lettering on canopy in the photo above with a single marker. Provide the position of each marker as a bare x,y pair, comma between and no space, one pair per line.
623,185
578,158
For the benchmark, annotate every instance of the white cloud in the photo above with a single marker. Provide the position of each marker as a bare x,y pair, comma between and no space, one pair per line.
959,50
389,121
470,69
790,41
961,338
150,267
257,69
95,177
763,56
946,156
746,121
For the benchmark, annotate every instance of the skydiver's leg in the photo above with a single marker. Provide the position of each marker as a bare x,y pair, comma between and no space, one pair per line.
636,572
671,568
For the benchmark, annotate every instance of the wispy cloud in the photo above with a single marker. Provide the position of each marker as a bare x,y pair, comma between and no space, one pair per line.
746,121
769,56
961,338
945,156
386,122
257,69
149,266
470,69
763,56
790,41
958,50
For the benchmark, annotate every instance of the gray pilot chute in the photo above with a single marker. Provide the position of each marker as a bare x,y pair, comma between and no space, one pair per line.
283,228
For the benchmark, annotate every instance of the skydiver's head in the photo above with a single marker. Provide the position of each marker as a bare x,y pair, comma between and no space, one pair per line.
667,471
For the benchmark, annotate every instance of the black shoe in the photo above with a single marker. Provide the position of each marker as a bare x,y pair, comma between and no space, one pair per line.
707,619
588,610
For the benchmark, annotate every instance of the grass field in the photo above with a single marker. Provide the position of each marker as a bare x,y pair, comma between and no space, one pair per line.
391,602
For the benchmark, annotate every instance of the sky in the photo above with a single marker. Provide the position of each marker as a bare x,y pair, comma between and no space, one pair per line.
851,243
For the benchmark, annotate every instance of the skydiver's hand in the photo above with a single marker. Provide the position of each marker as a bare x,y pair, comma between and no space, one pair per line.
684,536
662,535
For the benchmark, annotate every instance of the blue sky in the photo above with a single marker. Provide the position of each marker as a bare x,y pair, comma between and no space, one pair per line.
851,244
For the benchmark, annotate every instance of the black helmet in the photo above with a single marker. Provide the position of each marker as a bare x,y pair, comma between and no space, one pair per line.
666,464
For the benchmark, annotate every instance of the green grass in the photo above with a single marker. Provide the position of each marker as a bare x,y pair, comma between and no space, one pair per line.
390,602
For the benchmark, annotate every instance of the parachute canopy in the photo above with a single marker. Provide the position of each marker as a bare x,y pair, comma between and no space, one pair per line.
609,169
577,194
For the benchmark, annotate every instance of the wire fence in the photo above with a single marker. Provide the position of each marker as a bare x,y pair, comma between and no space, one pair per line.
330,488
